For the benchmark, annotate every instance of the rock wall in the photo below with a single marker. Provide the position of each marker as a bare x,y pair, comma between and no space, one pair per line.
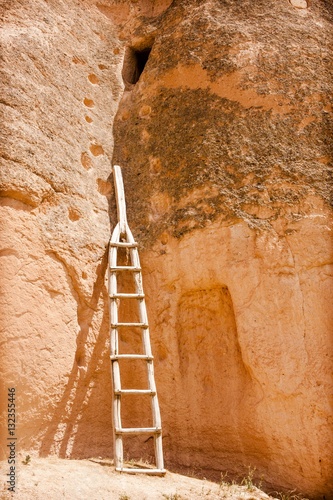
223,132
225,142
62,76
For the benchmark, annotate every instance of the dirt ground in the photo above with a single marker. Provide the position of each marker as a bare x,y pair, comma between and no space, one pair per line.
53,479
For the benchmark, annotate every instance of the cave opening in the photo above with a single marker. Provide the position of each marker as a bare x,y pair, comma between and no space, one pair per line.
134,63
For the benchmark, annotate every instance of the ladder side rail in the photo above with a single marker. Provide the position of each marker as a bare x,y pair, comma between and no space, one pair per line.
143,317
145,333
135,261
120,198
117,439
115,238
116,377
114,344
113,252
158,445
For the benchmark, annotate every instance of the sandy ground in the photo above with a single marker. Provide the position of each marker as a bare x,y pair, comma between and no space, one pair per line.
53,479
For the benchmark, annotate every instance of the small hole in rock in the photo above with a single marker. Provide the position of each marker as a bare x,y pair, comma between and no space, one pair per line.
86,160
96,149
73,214
88,119
134,64
88,102
93,79
103,187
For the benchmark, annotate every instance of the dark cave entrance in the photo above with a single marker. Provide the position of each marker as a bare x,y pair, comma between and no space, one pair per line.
134,63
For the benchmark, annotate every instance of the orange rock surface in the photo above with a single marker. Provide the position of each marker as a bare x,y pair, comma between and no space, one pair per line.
220,115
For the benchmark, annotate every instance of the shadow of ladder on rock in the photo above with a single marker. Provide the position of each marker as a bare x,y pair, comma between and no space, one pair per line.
122,238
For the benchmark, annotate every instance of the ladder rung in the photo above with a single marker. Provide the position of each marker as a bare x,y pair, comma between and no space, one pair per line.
127,296
135,391
131,356
130,470
125,268
139,430
123,244
141,325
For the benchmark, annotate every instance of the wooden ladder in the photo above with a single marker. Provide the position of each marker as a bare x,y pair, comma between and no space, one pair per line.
122,238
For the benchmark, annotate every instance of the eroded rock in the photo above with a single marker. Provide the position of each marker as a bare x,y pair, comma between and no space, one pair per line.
223,135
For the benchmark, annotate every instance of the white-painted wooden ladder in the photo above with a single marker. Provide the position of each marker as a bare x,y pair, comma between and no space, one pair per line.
121,239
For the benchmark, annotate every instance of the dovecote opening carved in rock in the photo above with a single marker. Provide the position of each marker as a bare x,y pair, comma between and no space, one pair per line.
134,63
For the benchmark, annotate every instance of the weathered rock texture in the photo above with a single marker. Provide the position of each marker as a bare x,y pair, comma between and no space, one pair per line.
225,143
61,70
225,140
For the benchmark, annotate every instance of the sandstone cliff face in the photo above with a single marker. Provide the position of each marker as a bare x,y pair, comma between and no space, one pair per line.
224,141
62,76
226,149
